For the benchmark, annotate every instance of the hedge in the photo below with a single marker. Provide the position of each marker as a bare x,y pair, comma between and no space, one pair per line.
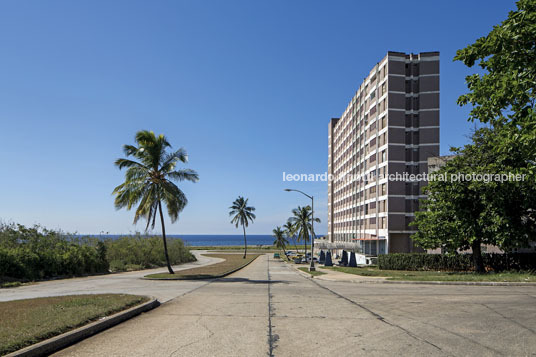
459,262
38,253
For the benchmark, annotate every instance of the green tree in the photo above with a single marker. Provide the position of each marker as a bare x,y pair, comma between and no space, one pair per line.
463,214
149,181
466,214
301,220
504,94
242,214
280,240
290,232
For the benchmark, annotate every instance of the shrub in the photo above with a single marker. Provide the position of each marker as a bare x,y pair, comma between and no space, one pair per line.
37,253
129,252
458,262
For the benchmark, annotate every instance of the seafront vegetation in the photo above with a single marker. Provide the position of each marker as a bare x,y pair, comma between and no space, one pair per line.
466,214
242,214
139,251
150,180
33,253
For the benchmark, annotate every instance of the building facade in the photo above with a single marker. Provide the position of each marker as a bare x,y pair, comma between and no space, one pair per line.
387,132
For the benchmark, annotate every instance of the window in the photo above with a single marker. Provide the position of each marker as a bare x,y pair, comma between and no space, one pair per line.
415,69
416,120
415,103
384,89
372,95
384,156
384,189
415,86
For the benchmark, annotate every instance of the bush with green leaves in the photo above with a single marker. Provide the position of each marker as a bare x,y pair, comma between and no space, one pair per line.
141,252
37,253
456,262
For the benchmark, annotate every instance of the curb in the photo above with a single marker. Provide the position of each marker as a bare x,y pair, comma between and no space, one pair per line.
473,283
208,278
54,344
383,281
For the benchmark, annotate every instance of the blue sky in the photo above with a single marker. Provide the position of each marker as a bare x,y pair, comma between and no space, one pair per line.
247,87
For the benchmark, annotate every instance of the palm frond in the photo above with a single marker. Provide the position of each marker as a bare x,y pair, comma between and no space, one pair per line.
184,175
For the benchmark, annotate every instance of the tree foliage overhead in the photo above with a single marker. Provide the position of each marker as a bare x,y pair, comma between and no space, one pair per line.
505,94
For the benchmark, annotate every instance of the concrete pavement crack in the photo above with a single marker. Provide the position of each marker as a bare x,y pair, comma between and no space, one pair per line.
509,319
447,331
377,316
271,338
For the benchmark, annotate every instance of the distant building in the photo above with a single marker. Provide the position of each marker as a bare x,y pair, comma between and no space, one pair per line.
390,126
436,162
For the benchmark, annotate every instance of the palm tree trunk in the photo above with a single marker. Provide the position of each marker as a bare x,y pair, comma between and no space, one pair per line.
164,238
245,242
295,245
305,243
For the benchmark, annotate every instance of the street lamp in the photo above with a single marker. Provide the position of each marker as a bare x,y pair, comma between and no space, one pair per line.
312,266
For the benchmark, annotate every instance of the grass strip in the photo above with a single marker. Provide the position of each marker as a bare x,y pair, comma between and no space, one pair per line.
438,275
28,321
232,263
313,273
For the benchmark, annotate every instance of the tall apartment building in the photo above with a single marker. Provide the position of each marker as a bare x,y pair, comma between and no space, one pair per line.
390,126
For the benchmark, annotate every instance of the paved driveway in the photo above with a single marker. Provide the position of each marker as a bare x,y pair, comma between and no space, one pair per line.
120,283
270,309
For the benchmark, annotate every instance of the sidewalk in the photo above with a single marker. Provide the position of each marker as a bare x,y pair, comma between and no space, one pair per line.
333,275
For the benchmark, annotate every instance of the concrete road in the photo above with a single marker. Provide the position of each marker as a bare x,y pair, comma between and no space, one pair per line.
120,283
270,309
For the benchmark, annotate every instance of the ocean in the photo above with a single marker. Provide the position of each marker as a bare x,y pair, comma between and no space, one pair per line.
196,240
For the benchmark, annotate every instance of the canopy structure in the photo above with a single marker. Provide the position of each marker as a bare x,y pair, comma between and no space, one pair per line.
324,244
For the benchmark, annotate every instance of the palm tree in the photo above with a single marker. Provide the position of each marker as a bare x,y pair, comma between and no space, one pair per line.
280,240
149,181
242,214
302,223
290,232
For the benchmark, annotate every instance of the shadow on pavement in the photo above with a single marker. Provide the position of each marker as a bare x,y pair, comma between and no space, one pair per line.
251,281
